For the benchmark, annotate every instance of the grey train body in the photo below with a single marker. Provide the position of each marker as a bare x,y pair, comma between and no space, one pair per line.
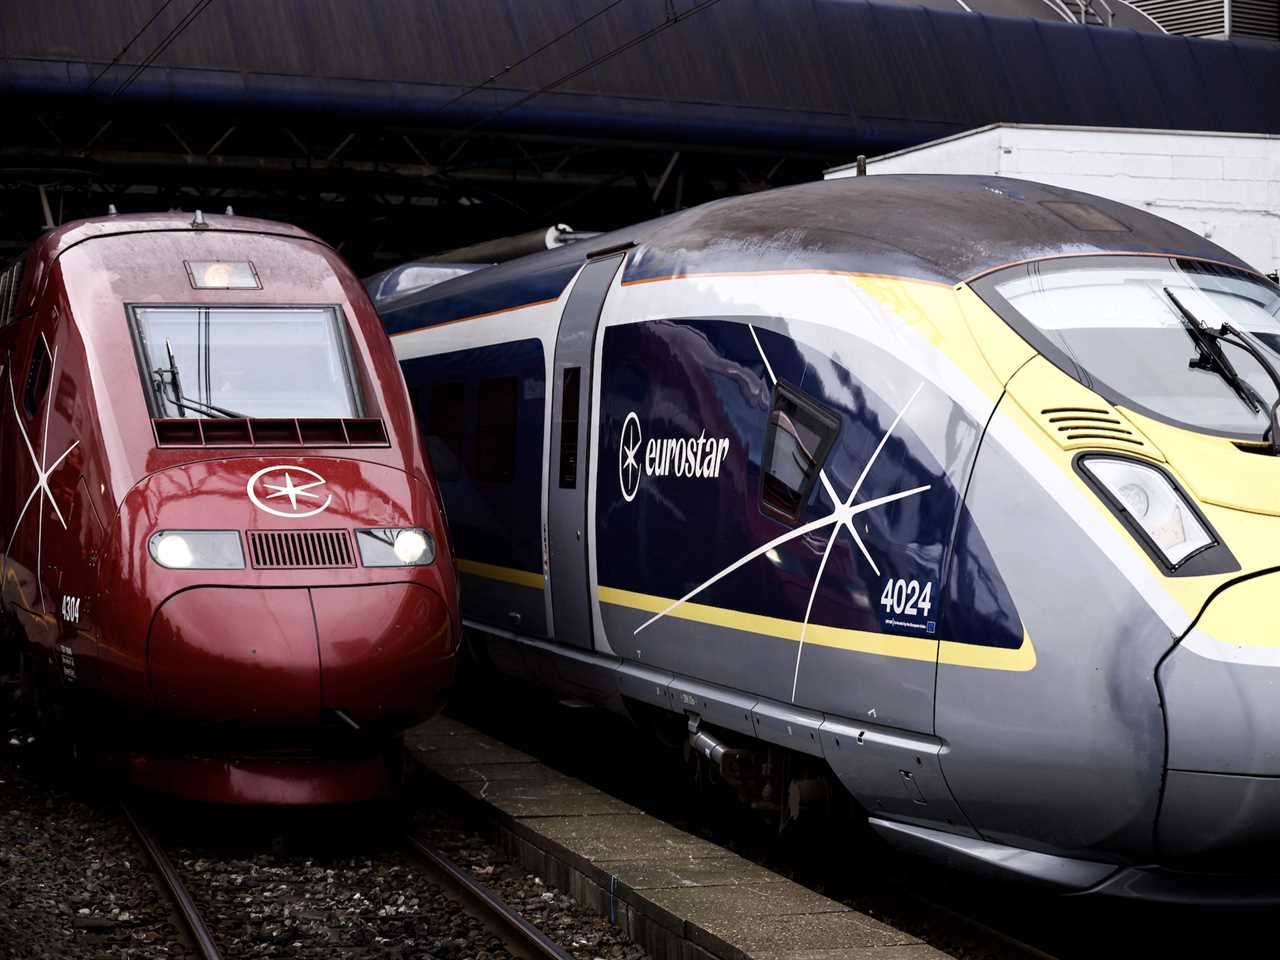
773,467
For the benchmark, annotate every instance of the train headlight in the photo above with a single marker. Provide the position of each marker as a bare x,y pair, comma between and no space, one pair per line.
197,549
396,547
1150,502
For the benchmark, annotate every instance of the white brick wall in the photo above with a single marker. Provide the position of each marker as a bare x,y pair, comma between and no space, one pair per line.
1225,187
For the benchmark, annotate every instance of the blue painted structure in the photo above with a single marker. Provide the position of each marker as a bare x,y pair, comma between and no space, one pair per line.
800,74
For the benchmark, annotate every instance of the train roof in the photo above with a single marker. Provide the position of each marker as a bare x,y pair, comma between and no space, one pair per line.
55,242
938,228
68,235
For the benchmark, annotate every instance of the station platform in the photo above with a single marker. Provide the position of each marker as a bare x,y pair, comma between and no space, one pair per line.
677,895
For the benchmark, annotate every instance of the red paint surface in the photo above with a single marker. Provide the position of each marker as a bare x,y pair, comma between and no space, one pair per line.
264,782
384,650
236,655
188,648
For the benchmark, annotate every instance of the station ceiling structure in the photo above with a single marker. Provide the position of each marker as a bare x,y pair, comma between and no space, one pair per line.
398,128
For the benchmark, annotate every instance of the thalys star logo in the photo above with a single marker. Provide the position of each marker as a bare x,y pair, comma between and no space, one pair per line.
295,486
628,465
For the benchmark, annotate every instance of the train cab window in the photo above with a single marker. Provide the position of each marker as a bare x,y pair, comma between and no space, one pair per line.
218,362
569,403
38,375
799,436
496,430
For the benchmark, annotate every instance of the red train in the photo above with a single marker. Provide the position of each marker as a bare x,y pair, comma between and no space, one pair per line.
224,557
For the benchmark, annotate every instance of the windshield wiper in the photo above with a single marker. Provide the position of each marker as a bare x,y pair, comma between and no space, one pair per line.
185,403
1210,356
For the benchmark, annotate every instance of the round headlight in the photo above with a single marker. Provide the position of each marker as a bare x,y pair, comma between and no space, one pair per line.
1136,499
173,551
410,546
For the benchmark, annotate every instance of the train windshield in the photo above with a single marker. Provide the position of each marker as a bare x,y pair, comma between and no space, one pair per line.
1131,327
215,362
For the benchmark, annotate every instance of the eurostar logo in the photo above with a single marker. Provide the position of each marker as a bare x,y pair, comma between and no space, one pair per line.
303,502
628,466
698,457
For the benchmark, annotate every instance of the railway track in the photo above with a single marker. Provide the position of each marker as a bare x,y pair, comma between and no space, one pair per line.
519,938
192,922
522,938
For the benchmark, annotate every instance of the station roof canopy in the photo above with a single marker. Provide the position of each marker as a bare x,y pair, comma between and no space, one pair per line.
555,106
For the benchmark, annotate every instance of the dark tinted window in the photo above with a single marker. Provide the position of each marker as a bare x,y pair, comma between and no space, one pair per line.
799,435
10,282
37,377
496,430
445,413
569,428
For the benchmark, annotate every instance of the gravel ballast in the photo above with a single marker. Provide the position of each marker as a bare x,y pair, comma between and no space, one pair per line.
297,883
73,882
320,883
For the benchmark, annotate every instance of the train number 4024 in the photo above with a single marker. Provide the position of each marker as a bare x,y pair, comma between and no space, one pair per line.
907,597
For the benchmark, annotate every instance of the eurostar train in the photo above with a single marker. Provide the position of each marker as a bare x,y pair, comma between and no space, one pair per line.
225,568
960,491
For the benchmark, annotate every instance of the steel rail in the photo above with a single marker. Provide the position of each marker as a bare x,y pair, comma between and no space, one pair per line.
498,915
176,889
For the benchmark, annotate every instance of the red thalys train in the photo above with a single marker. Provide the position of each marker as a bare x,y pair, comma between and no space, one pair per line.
224,557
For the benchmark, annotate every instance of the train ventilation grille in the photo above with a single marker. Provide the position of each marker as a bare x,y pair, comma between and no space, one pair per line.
303,549
1087,426
270,432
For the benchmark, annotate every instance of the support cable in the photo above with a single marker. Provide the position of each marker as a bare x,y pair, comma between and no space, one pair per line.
132,40
163,45
670,21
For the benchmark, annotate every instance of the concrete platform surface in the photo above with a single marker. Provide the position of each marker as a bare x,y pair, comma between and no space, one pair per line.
679,896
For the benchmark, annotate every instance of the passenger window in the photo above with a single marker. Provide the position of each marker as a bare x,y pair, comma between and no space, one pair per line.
37,377
10,281
445,411
799,436
569,428
496,430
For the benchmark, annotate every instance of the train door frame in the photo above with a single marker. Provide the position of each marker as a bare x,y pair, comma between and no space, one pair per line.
568,537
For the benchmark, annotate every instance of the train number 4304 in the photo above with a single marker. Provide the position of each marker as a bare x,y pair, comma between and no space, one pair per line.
907,597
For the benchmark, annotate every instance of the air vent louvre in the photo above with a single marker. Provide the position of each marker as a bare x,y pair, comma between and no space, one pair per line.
300,549
1085,426
270,432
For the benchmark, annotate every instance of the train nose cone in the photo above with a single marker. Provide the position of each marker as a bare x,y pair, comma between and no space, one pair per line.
381,654
1221,689
227,654
386,651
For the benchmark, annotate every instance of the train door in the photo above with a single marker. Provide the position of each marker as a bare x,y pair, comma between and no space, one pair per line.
570,431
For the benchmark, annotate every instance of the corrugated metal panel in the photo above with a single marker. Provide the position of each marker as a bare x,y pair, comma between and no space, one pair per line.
1255,18
1191,18
1208,18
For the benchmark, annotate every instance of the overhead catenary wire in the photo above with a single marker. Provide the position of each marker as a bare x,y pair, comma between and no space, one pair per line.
163,45
132,40
671,20
529,56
